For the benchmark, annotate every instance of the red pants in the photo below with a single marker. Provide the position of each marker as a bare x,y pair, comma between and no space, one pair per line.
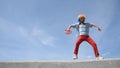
82,38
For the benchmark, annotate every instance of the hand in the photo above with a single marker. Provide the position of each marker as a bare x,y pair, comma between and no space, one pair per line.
68,31
99,29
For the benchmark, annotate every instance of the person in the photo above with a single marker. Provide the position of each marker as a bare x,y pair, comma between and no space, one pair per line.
83,30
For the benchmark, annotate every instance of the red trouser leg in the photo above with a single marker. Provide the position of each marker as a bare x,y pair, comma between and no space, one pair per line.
78,42
89,40
93,44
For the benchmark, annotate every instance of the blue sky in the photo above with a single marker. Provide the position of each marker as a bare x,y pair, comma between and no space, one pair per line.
34,29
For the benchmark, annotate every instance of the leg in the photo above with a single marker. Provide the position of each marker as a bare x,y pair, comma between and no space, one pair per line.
93,44
79,40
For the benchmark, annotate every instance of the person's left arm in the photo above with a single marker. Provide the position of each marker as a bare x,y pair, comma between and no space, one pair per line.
97,27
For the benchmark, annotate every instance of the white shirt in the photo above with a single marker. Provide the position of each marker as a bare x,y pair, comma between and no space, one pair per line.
82,29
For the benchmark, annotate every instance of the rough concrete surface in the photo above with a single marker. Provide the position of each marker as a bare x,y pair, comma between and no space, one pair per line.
106,63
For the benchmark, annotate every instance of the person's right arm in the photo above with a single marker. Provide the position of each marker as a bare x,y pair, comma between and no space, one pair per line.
70,26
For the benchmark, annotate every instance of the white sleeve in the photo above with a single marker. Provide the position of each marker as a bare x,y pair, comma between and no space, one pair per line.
90,24
75,25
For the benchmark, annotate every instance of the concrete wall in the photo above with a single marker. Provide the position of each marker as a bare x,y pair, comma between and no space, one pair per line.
106,63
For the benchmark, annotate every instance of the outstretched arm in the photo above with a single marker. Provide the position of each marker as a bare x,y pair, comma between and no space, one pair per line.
68,31
70,26
97,27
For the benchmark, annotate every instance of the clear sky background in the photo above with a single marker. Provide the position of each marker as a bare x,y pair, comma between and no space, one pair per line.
34,29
